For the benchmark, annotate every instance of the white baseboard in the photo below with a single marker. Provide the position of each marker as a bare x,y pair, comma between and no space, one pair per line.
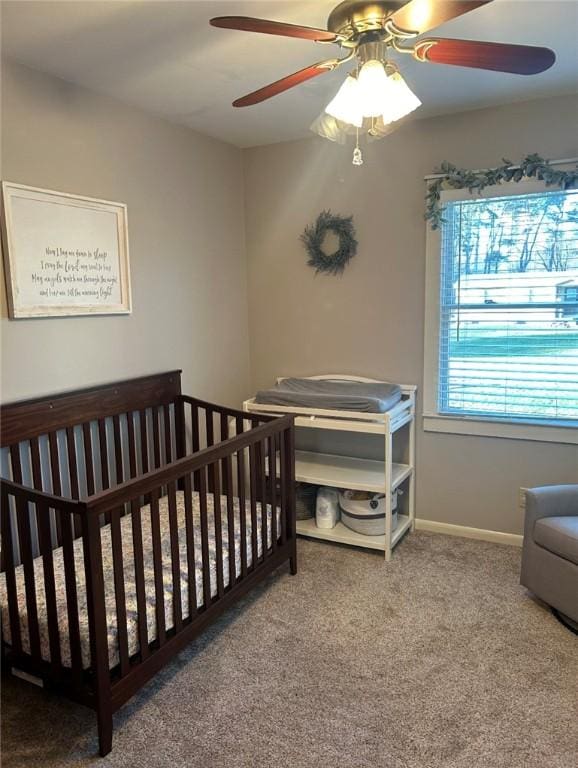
498,537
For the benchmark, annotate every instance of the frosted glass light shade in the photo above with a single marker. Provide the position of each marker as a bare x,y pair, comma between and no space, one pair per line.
345,106
399,100
328,127
372,87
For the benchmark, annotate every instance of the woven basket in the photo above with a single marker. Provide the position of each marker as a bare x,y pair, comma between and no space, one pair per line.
305,498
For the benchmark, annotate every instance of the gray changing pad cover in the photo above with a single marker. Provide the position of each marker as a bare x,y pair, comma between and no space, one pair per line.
332,395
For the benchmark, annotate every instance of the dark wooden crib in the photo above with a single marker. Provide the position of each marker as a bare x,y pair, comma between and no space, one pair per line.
81,466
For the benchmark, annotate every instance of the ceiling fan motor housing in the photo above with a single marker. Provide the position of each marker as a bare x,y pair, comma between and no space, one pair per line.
353,18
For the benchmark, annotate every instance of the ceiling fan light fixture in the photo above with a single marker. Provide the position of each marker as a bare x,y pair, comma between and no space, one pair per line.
373,94
346,106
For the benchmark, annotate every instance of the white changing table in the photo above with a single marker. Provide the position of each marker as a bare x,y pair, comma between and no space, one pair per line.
398,467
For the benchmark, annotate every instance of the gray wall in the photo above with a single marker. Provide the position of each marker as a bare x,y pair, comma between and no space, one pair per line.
186,230
370,321
187,213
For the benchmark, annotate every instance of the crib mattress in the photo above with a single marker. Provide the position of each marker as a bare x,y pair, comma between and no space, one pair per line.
129,577
365,397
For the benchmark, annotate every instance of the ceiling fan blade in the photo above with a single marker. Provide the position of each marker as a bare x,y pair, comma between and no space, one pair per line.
287,82
501,57
249,24
419,16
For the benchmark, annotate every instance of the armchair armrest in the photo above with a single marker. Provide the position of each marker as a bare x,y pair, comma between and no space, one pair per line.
550,501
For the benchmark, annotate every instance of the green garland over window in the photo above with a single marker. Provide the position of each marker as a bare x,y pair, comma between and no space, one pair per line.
532,167
314,236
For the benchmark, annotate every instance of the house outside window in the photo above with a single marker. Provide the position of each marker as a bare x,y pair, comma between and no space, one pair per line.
502,314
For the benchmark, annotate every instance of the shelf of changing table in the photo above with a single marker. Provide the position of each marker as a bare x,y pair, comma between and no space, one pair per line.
344,535
347,472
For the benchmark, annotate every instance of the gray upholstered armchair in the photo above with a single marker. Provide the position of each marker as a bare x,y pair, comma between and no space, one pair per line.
550,553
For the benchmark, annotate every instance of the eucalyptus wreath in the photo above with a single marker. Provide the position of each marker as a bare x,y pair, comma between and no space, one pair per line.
532,167
314,235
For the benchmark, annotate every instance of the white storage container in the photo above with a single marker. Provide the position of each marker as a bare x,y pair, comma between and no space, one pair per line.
364,512
327,508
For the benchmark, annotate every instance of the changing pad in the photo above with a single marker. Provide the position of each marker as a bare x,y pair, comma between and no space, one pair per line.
365,397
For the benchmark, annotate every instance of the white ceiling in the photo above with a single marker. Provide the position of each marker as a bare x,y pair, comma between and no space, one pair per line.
165,58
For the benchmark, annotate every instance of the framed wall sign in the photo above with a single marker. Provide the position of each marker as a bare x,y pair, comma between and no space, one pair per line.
64,254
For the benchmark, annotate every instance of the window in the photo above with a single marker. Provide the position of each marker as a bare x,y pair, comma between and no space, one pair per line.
506,325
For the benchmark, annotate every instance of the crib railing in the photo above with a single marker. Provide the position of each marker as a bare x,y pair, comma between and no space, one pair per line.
254,466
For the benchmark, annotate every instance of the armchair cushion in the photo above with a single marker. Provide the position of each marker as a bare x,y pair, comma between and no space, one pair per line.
550,552
558,535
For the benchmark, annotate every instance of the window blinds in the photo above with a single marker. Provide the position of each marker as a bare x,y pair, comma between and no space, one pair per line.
509,307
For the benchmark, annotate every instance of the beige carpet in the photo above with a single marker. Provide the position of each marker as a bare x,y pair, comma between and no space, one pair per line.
438,659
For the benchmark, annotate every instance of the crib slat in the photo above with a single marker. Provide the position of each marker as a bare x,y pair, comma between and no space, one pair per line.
289,520
131,445
156,437
261,451
73,473
36,481
56,481
135,511
204,538
119,590
103,445
224,426
228,486
26,555
66,525
175,557
189,531
253,492
16,463
117,449
273,489
144,441
167,422
54,464
88,460
283,484
36,471
195,439
218,528
43,518
8,555
210,436
180,430
209,426
158,569
103,452
195,427
224,432
242,509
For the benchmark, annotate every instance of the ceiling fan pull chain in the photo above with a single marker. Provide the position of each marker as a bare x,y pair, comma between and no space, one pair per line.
357,156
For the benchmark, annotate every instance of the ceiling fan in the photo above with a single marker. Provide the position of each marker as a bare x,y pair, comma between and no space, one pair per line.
354,24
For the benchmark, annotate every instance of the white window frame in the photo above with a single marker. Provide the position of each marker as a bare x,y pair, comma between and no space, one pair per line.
492,426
